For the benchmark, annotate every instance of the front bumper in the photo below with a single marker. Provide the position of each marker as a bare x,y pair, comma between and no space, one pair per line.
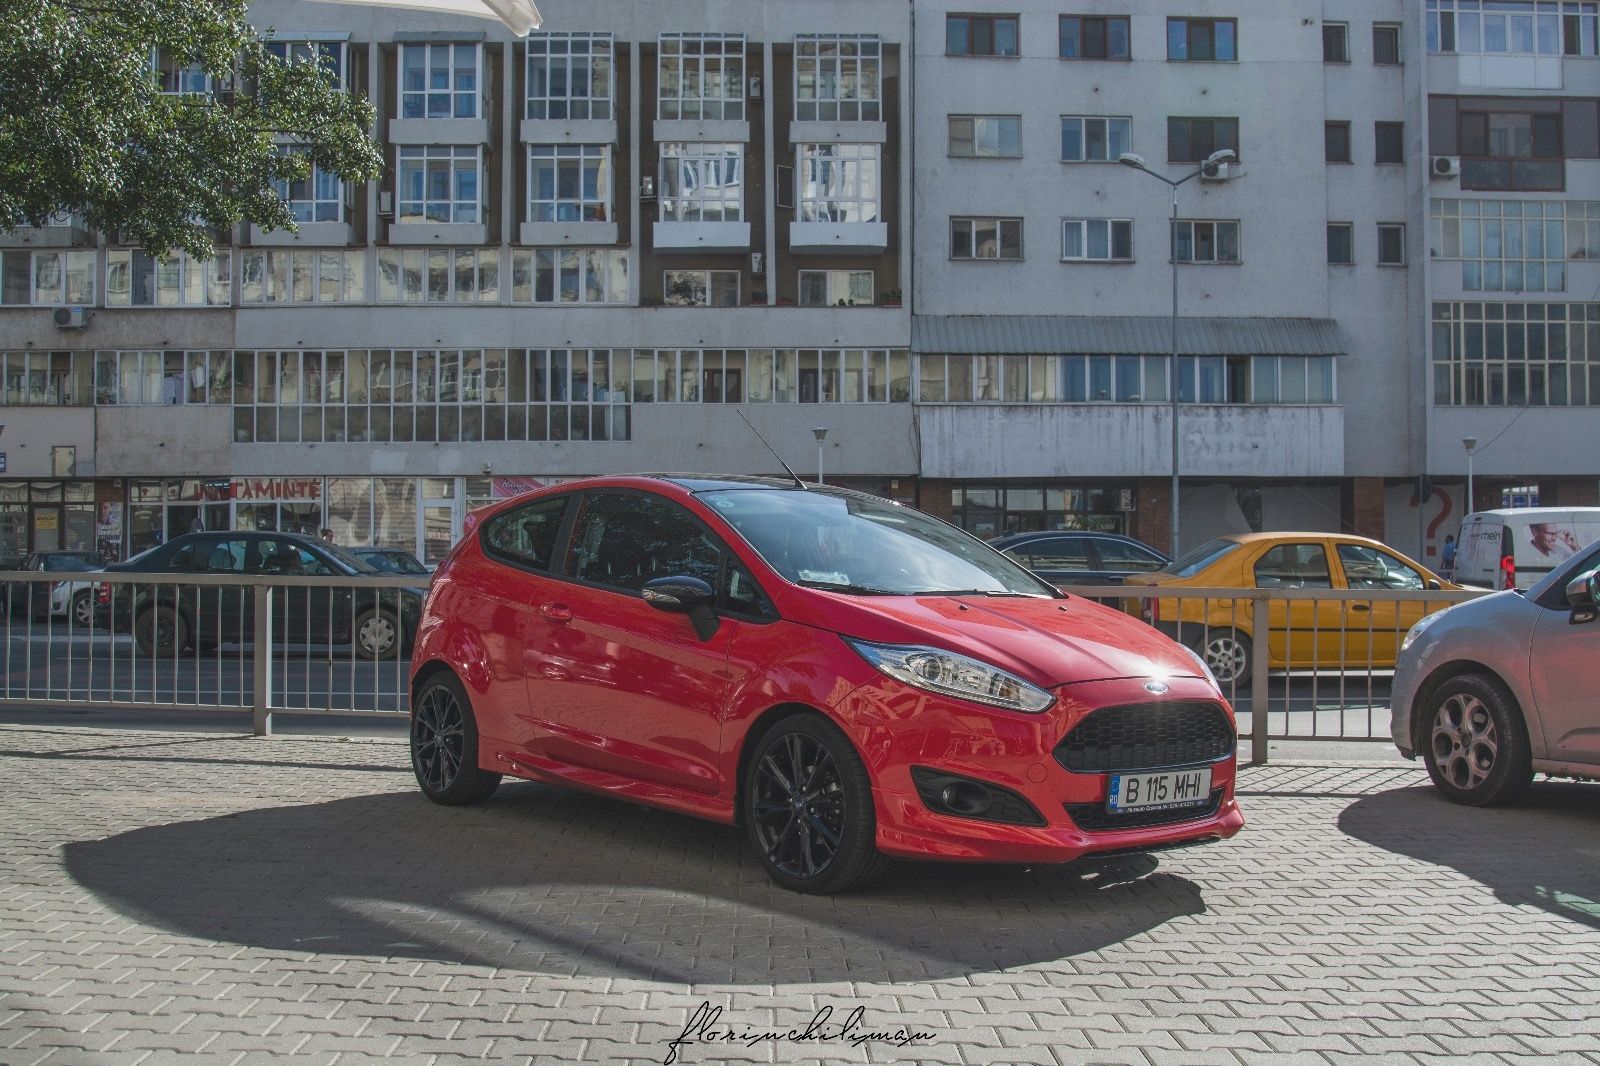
1403,693
899,728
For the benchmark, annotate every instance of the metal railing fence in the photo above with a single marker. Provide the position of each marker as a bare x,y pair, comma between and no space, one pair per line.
1296,663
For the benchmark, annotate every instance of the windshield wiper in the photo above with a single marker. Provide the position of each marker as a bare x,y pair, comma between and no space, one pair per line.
984,592
845,586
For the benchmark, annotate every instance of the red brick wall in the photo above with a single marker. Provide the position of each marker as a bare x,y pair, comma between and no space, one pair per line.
933,496
1363,507
1152,513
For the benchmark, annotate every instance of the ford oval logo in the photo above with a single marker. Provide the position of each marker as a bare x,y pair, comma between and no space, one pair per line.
1156,688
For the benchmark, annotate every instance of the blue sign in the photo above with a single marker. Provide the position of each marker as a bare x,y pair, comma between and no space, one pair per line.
2,462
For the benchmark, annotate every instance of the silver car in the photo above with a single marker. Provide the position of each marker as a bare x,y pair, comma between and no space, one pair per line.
1497,689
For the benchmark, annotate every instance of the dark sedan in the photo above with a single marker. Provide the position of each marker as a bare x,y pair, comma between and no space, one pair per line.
167,618
1066,558
391,560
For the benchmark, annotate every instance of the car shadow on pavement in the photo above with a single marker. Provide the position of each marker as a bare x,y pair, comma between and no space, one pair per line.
1542,851
552,881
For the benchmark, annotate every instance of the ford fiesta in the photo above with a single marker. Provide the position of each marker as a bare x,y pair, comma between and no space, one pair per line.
844,678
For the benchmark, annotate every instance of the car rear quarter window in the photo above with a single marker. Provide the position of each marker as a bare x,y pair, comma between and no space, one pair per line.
1195,560
526,536
1121,556
1055,553
1294,566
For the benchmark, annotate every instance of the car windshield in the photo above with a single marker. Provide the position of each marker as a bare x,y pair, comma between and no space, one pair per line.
359,565
829,540
1195,560
393,562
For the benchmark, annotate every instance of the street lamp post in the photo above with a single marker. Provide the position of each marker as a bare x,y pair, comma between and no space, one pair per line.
1471,445
1129,159
821,433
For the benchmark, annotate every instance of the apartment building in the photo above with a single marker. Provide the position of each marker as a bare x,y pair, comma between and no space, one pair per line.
905,223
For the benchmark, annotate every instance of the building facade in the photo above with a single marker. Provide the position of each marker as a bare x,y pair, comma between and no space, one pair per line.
594,247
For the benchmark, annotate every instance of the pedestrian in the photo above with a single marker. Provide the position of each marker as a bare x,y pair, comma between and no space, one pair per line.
326,534
1448,555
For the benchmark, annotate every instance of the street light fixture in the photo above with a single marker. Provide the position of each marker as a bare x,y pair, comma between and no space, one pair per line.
1471,445
1137,162
821,433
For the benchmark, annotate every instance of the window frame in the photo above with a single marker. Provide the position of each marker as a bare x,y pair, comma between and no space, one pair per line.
732,65
810,158
1189,23
1189,137
430,153
563,529
972,223
1380,128
1105,22
1216,241
597,46
710,277
1327,563
1380,28
453,93
597,209
1343,127
1349,230
952,122
863,68
685,165
993,20
1385,228
1343,29
830,276
1470,181
1083,122
1084,225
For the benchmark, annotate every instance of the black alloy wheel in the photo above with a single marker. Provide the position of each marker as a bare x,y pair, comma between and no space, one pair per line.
808,808
444,745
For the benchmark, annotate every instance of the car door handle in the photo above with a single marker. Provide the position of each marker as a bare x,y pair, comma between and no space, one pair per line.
558,613
1359,607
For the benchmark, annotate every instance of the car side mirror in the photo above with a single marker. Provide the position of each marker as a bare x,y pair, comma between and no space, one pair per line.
1432,585
1583,597
682,594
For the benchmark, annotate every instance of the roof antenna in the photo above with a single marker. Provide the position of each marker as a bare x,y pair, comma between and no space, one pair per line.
797,482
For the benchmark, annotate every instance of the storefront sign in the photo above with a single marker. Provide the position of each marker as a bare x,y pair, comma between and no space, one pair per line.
506,487
108,523
276,488
46,521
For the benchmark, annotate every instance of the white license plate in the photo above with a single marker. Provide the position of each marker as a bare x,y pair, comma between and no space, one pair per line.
1159,791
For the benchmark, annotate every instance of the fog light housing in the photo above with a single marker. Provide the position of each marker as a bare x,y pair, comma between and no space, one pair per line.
966,797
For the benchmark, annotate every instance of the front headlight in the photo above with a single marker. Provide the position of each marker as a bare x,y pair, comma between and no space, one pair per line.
1417,630
949,674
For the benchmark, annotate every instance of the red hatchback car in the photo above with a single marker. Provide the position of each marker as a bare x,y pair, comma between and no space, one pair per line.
845,678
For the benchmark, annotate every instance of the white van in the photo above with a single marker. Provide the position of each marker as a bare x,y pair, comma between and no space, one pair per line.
1513,548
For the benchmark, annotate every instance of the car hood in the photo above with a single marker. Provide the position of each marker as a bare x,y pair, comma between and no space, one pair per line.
1048,642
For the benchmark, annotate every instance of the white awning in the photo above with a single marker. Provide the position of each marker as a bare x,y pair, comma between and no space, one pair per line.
520,16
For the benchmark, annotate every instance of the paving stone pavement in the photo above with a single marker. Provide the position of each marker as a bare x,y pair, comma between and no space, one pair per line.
206,899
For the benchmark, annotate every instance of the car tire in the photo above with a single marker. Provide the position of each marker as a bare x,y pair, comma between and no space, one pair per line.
830,811
1474,741
81,610
376,634
444,745
160,631
1228,653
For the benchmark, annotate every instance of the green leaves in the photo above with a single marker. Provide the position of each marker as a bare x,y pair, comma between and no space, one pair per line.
85,126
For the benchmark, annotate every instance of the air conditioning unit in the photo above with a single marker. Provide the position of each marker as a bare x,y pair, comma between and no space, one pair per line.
755,86
1221,172
1446,166
71,317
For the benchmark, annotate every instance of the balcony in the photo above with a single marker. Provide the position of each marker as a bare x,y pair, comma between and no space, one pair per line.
407,131
829,238
568,131
701,236
65,230
309,235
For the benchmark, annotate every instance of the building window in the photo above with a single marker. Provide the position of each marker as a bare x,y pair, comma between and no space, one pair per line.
41,379
439,80
1101,240
316,197
1391,244
1086,139
135,279
839,182
991,510
438,275
702,182
570,75
1202,40
1197,241
701,76
302,276
330,55
986,136
1124,379
1095,37
46,278
765,375
1335,42
1529,27
1386,43
176,77
1192,140
1341,243
838,78
830,288
1516,354
439,183
1389,142
980,35
569,276
1515,245
700,288
986,238
1336,141
569,183
1511,151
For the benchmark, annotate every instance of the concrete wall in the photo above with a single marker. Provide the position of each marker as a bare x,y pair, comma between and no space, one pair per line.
30,433
177,440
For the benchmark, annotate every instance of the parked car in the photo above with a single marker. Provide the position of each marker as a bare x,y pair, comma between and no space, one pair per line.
166,618
843,677
390,560
40,599
1066,558
1497,689
1514,547
1305,634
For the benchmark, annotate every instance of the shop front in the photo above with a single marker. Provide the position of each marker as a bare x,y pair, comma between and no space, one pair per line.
41,516
993,509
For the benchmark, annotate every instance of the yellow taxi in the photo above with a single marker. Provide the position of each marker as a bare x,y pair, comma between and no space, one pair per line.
1302,634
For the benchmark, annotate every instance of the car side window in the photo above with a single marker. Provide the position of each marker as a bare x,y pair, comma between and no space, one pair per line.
526,535
1555,598
1058,553
223,557
622,540
1294,566
1120,555
1369,568
182,557
740,594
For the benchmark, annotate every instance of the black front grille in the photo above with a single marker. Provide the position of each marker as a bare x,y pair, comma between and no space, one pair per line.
1147,736
1094,818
